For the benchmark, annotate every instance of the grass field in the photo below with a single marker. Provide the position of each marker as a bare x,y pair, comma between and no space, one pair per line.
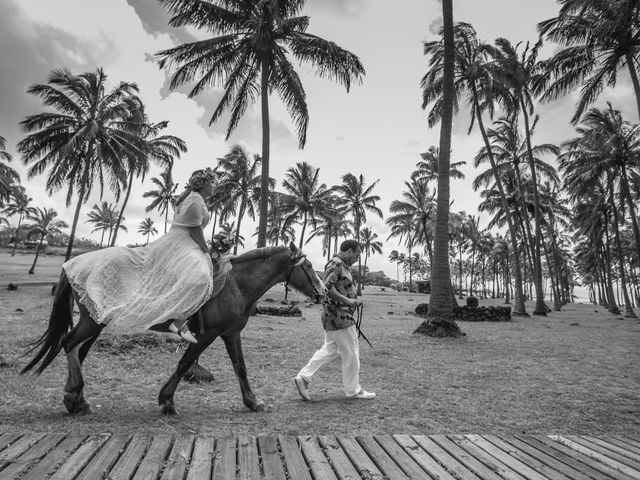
575,371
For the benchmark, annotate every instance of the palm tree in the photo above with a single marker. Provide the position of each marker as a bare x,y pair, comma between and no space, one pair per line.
307,196
19,205
8,176
473,75
103,218
370,244
600,39
427,168
394,256
162,196
440,316
518,73
358,199
146,227
161,149
251,58
238,184
84,140
45,223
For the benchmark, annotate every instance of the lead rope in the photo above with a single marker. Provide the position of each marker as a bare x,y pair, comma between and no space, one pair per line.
359,310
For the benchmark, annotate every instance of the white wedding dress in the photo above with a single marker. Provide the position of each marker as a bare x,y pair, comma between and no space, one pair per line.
136,288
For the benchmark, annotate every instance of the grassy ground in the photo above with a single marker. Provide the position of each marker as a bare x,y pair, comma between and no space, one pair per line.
575,371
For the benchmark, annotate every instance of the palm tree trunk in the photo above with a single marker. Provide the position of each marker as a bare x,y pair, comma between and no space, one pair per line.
304,227
124,205
628,307
540,307
440,320
626,193
264,180
613,306
519,308
33,267
15,243
102,238
166,217
72,235
634,79
507,280
240,215
554,291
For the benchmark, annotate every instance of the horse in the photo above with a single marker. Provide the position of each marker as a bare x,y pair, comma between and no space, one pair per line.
224,315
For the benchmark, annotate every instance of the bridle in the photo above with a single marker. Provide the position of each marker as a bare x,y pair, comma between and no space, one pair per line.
298,261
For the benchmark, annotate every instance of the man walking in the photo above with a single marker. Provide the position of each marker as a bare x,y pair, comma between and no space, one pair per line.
340,336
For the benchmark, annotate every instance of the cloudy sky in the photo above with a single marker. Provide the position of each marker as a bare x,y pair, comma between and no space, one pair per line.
378,129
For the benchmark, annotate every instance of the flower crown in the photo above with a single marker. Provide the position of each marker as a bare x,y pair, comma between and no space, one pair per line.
200,178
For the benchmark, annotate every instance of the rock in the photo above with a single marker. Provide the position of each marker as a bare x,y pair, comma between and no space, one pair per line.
389,313
422,309
472,302
288,311
12,286
19,310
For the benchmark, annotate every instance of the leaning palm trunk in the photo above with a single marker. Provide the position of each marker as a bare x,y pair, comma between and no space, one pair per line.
628,307
519,308
612,304
124,205
72,235
15,242
33,267
264,180
634,78
440,320
540,307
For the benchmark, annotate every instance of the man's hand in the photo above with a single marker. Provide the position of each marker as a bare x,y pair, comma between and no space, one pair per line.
354,303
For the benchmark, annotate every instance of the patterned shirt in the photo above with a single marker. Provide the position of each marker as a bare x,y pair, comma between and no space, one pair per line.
336,315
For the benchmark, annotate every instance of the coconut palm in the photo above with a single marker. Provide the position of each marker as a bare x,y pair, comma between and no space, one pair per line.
45,223
601,38
473,78
146,227
239,182
103,218
250,58
160,149
440,316
19,205
427,168
307,196
162,196
394,256
84,140
370,244
8,176
358,198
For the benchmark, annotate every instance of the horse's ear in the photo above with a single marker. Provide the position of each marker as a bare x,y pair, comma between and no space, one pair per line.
293,248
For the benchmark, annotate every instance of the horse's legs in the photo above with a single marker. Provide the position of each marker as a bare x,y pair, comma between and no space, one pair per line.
234,349
165,397
76,345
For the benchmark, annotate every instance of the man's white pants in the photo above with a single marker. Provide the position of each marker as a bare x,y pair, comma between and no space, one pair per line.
343,343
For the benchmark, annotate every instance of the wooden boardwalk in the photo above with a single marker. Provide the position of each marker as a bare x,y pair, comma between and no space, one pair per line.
37,456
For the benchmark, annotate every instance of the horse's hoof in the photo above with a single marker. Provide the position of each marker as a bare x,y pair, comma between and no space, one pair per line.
258,406
75,406
168,408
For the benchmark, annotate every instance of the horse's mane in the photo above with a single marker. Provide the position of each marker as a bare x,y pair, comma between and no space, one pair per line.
258,254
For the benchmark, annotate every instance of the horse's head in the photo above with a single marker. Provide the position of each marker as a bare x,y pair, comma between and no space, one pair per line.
302,276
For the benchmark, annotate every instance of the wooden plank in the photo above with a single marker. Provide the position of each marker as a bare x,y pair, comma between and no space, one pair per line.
563,454
271,461
7,439
54,458
224,465
633,438
406,463
18,447
547,459
316,459
462,456
506,458
540,468
248,460
81,457
430,456
342,466
630,440
602,471
31,456
128,462
491,462
620,467
385,463
293,459
605,450
176,464
622,444
202,459
154,458
359,458
105,458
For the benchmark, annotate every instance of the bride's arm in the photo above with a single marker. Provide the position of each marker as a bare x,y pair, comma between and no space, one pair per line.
198,236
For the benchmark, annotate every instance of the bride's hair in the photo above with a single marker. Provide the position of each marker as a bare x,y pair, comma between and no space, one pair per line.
198,180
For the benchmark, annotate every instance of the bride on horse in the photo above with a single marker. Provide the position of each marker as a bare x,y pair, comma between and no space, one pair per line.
161,284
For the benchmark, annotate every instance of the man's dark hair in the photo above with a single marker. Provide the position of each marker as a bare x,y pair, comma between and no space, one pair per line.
350,245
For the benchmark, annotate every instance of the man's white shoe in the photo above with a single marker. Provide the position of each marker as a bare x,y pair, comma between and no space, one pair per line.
301,385
363,395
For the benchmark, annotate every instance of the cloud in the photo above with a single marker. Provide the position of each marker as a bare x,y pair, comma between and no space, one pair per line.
435,26
155,20
350,8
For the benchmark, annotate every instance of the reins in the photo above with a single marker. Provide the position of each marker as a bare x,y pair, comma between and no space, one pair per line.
359,310
298,262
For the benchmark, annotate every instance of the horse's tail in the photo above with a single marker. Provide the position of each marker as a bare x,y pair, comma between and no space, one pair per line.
60,322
